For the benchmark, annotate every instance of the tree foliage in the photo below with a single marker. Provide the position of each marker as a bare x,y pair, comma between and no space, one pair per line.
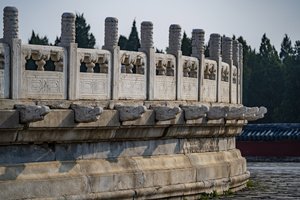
133,41
186,45
84,39
272,80
36,39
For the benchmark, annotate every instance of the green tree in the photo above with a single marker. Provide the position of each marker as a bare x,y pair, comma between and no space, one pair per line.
186,45
133,43
286,48
36,39
267,83
84,39
289,110
122,42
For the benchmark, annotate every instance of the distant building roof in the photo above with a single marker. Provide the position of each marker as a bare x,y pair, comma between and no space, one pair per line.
270,132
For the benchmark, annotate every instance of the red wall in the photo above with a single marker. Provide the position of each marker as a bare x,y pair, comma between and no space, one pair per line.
269,148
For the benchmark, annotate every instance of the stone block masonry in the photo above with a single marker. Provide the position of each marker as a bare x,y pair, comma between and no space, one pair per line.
130,125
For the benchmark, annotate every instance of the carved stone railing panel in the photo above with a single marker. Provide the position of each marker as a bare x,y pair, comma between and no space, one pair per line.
132,81
209,86
224,84
32,113
189,79
4,70
94,85
165,82
42,84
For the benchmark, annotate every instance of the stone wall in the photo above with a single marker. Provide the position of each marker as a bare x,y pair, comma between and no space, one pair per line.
112,124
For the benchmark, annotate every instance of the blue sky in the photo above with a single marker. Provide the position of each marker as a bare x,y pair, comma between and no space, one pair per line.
247,18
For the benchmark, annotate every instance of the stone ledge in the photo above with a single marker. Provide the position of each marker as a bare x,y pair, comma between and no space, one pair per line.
149,177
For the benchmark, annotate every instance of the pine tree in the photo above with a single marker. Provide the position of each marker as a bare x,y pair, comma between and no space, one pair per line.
36,39
122,42
133,43
84,39
267,83
286,48
186,45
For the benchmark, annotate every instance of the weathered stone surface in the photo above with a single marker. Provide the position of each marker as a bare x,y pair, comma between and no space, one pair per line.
164,113
215,112
32,113
234,112
67,29
254,113
117,177
11,23
128,113
84,114
195,112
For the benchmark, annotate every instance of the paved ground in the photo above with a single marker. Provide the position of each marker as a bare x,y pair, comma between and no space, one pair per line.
272,181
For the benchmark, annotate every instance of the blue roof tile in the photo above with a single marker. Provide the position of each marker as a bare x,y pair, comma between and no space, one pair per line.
270,132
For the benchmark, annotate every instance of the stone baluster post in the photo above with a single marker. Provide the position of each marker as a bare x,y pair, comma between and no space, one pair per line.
68,41
111,44
147,47
236,59
215,54
11,37
198,52
175,49
240,80
227,58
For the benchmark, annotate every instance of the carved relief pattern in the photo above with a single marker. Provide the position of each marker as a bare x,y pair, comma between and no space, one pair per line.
67,29
164,64
215,46
32,113
91,57
224,72
94,86
227,50
209,90
11,26
224,92
129,59
111,31
210,69
41,54
146,35
235,52
174,38
190,66
37,84
198,43
190,88
164,88
132,86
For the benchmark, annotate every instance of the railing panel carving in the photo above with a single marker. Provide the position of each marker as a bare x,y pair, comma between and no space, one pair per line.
190,78
42,84
165,82
210,80
94,85
132,83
